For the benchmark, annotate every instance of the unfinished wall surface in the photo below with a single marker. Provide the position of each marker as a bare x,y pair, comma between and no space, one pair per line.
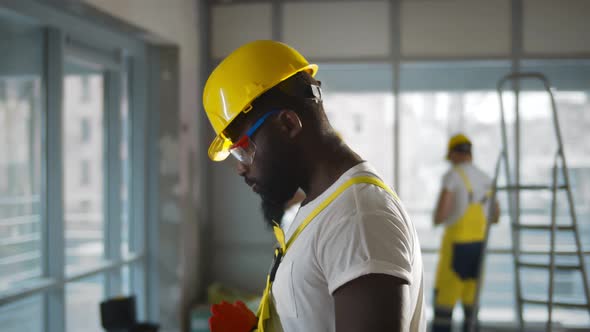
344,30
230,28
556,27
455,28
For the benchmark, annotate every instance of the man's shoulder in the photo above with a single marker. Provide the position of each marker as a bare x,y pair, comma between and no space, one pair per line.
368,209
364,193
365,198
450,171
451,175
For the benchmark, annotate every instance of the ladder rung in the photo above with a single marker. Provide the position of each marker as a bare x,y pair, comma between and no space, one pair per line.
531,187
556,303
545,252
547,266
545,227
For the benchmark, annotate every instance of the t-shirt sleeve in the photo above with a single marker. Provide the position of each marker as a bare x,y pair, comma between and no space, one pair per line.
451,181
365,243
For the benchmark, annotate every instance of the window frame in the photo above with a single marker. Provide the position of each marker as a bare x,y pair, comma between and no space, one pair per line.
67,34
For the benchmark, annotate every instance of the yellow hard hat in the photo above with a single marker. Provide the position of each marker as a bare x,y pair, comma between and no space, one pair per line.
457,140
243,76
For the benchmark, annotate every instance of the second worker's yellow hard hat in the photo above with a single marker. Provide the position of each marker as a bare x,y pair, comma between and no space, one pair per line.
455,141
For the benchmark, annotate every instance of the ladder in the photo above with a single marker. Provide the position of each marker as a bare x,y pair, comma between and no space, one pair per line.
514,187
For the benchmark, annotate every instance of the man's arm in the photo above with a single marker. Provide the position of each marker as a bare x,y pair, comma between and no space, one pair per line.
444,206
370,303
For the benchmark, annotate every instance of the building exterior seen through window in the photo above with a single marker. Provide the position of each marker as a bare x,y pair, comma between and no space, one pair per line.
84,170
20,176
25,230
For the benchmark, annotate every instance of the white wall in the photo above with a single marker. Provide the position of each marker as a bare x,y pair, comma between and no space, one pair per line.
556,27
232,26
175,21
455,27
338,30
345,30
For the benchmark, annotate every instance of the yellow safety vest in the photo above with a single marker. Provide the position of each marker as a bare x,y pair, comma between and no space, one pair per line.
263,312
471,226
455,276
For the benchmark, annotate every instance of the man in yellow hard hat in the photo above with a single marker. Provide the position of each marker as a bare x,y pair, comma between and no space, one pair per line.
461,208
350,261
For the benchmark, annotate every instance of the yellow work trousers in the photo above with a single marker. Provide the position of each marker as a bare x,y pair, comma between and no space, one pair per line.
460,257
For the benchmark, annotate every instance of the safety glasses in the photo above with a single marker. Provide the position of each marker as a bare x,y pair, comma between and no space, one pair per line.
244,148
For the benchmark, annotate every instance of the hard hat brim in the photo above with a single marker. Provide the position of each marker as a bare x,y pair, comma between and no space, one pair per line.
219,148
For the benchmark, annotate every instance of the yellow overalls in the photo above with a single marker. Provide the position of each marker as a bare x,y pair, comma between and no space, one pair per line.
459,260
263,312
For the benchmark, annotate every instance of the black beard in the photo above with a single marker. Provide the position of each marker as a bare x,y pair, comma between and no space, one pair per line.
279,183
272,211
277,194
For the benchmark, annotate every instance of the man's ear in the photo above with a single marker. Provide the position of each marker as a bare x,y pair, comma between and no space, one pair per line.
291,123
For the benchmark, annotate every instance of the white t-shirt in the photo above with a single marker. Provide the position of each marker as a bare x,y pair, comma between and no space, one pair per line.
364,230
452,181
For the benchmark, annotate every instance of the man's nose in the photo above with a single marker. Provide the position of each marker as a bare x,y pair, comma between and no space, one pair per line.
241,168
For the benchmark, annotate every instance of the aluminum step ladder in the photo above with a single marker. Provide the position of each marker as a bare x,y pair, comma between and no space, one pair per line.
514,187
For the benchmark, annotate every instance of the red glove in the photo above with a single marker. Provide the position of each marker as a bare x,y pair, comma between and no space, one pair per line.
228,317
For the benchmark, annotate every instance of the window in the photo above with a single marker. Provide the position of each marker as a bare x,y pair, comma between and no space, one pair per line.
23,315
431,112
85,206
69,235
84,174
20,156
437,101
571,83
84,231
428,119
125,164
85,130
21,223
85,89
20,205
361,110
82,304
440,99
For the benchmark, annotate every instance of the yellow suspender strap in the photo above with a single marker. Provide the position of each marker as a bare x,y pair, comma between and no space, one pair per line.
264,306
466,181
332,197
